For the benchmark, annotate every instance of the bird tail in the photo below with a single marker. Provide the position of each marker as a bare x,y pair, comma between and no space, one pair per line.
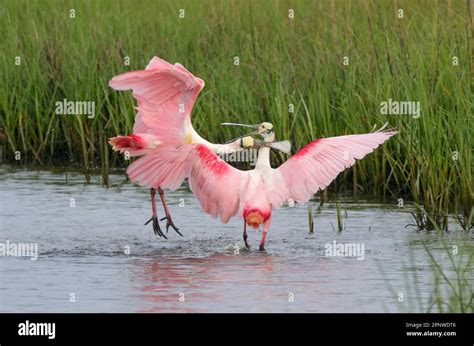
134,145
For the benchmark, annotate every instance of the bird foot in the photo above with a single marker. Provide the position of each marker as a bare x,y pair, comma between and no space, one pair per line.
156,226
261,247
170,223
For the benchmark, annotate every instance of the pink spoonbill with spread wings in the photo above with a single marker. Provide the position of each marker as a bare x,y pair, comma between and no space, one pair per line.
173,151
225,191
165,94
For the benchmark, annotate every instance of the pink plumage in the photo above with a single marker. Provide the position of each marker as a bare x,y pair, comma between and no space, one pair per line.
225,191
172,151
165,94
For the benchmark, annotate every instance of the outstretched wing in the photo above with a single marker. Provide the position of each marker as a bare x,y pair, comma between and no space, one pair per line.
220,188
316,165
223,190
217,185
165,94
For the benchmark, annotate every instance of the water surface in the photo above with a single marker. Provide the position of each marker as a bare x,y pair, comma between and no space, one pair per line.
100,252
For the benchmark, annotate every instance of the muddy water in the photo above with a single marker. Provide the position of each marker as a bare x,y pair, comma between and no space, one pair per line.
95,254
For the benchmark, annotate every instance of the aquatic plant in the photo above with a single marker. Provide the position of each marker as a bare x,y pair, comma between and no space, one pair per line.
451,273
322,69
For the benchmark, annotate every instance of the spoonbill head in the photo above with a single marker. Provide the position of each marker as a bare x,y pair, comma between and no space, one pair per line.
264,129
267,132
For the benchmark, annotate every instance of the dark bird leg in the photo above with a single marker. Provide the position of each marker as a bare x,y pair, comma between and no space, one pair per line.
264,235
169,222
245,235
154,217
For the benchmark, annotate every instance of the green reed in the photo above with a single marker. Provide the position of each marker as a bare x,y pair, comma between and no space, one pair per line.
290,72
451,274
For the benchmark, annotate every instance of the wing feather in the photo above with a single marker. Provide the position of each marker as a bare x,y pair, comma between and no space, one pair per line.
316,165
220,188
165,94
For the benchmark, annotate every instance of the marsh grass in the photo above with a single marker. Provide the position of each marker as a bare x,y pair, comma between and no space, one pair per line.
340,225
283,62
451,274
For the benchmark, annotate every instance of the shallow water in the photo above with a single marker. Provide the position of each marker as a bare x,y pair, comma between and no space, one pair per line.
100,251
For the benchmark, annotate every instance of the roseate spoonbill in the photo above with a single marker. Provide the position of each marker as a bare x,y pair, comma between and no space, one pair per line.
165,94
224,191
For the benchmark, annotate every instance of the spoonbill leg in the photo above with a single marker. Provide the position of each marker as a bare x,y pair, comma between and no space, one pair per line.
245,235
169,222
154,217
266,227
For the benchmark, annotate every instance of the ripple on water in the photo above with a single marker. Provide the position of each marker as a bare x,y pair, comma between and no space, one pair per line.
101,250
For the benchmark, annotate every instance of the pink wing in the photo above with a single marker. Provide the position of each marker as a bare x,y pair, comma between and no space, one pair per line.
223,190
165,167
219,187
216,184
166,94
316,165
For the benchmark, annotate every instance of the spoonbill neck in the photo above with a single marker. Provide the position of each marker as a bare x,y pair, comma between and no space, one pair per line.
263,159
